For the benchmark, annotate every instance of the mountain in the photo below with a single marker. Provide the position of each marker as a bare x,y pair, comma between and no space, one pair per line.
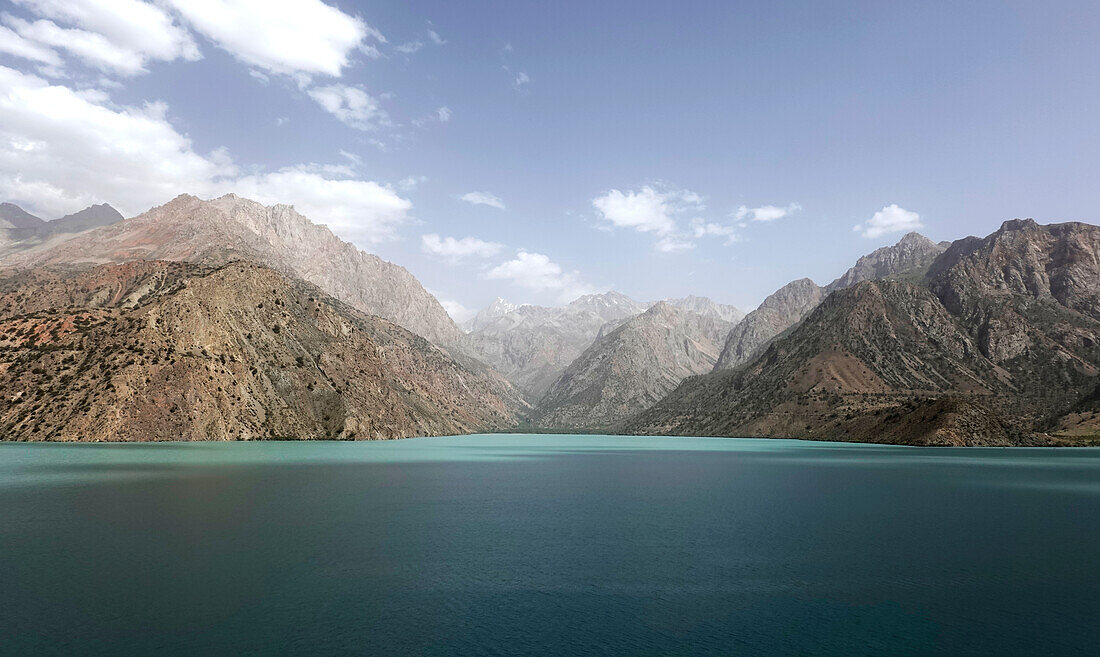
13,216
707,308
997,344
90,217
532,345
489,314
781,310
910,257
632,367
20,230
168,351
228,228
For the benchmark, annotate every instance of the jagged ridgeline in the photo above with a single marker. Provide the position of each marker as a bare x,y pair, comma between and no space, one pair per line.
998,343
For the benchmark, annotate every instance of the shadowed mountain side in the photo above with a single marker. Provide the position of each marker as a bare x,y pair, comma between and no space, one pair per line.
1001,346
176,351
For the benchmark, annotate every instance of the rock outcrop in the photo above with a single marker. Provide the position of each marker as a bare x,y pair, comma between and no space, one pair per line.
909,258
180,351
632,367
999,344
217,231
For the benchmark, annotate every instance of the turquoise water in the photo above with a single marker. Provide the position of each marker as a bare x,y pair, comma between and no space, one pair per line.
548,545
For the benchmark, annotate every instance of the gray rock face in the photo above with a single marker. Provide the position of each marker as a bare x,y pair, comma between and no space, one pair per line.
910,257
532,345
999,344
190,229
13,216
631,368
707,308
781,310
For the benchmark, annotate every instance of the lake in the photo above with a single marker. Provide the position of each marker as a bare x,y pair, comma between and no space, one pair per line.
548,545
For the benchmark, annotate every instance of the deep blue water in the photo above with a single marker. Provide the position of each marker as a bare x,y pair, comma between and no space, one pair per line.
548,545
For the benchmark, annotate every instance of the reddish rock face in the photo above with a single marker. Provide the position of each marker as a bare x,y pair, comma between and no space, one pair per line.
176,351
221,230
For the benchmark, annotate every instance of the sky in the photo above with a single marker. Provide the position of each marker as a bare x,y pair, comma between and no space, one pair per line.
537,151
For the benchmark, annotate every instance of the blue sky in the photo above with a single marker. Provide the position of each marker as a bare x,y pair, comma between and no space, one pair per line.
536,150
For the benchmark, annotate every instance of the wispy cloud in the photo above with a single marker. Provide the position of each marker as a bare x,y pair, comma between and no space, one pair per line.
483,198
458,249
765,212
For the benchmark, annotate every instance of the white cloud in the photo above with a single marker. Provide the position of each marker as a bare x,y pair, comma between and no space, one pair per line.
358,210
294,36
142,29
410,47
351,105
766,212
61,150
458,312
95,49
890,219
410,183
538,273
520,80
14,44
436,39
672,243
457,249
702,228
443,114
647,210
483,198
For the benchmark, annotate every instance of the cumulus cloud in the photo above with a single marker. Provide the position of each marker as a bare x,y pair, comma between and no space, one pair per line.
61,150
358,210
766,212
300,37
648,210
458,249
443,114
351,105
132,32
890,219
536,272
483,198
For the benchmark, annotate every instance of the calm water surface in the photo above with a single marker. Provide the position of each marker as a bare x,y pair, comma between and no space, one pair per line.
548,545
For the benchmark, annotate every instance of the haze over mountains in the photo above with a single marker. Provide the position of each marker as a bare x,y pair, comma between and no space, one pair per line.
252,322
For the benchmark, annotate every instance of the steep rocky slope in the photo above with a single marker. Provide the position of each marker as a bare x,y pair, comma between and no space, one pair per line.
910,257
1000,344
175,351
781,310
632,367
532,345
223,229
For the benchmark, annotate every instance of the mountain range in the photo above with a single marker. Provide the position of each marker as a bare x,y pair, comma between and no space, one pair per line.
997,343
228,319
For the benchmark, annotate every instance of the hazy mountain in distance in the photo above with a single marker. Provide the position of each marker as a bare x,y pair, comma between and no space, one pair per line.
20,230
632,367
784,308
532,345
180,351
997,344
707,308
230,227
